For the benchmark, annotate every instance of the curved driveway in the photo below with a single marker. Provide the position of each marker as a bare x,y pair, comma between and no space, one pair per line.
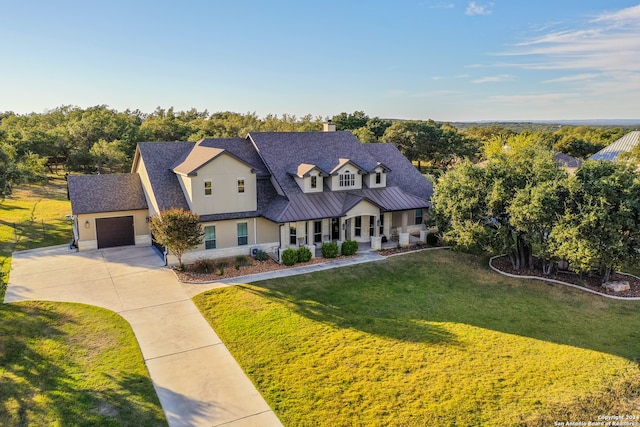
196,378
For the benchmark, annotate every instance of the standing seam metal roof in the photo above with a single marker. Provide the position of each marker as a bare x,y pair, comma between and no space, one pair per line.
622,145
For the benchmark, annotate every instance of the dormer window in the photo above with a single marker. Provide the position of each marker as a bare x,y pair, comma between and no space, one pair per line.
378,177
347,179
314,181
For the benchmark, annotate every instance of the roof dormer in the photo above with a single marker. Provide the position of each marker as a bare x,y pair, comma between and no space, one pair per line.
377,178
309,177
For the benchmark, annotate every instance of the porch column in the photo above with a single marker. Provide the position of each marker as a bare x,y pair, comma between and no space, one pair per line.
404,235
376,240
343,228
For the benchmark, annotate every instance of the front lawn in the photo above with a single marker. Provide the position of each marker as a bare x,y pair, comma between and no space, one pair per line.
431,338
72,365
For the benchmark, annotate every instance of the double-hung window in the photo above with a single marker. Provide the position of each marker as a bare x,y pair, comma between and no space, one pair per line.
240,185
314,181
243,234
378,177
208,187
210,237
293,233
418,216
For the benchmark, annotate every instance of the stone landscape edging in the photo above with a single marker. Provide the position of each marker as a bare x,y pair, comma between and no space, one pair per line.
559,282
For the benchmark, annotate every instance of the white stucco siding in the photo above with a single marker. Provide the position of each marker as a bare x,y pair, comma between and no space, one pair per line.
224,172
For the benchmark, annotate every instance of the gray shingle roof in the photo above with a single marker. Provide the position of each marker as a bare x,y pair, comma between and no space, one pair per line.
105,193
621,145
403,174
282,152
158,158
567,161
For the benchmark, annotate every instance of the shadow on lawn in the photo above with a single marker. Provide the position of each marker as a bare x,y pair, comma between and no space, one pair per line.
405,298
38,379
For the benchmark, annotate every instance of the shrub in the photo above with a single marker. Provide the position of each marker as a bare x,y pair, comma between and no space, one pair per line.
330,250
289,256
242,261
304,254
203,266
261,255
349,247
432,239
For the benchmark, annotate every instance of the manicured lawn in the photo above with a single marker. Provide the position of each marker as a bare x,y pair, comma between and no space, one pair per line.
22,216
72,365
64,364
431,338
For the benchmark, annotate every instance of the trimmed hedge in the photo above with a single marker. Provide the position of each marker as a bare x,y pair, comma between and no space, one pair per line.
349,247
330,250
289,256
304,254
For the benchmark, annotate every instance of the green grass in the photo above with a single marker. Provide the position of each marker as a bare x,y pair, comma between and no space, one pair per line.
433,338
72,364
64,364
22,216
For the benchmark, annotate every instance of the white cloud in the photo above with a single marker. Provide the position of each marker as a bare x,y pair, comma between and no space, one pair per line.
442,5
494,79
478,9
607,43
574,78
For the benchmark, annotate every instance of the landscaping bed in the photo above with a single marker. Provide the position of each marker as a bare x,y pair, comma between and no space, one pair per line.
591,282
249,266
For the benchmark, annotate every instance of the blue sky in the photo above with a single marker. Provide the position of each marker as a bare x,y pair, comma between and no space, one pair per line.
439,59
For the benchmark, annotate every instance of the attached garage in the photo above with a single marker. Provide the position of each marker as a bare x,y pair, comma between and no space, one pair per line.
115,231
109,210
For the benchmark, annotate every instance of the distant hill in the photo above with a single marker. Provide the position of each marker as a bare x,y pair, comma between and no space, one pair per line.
518,126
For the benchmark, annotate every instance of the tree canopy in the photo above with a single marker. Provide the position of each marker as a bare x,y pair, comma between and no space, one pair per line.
178,230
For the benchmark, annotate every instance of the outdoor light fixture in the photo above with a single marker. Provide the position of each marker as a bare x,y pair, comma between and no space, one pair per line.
147,220
86,224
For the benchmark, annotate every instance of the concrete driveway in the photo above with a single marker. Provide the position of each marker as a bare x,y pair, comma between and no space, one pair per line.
196,378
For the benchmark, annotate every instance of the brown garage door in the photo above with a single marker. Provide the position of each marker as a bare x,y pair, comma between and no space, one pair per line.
115,231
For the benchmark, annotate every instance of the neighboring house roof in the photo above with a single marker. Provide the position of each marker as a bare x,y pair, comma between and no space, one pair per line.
567,161
622,145
105,193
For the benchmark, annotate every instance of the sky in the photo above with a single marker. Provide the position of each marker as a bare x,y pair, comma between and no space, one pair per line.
445,60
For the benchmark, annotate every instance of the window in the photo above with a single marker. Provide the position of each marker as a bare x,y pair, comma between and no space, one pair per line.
210,237
372,221
381,224
347,179
358,227
314,181
208,188
378,177
240,185
418,216
317,231
243,234
292,233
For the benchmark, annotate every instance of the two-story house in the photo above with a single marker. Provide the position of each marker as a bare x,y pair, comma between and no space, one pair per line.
271,190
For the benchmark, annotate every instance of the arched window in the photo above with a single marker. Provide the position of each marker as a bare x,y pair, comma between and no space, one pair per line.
347,179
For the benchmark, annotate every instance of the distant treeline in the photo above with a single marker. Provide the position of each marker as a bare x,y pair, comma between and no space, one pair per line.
101,139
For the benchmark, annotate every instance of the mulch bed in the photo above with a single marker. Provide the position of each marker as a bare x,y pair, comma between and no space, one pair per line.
253,267
592,282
